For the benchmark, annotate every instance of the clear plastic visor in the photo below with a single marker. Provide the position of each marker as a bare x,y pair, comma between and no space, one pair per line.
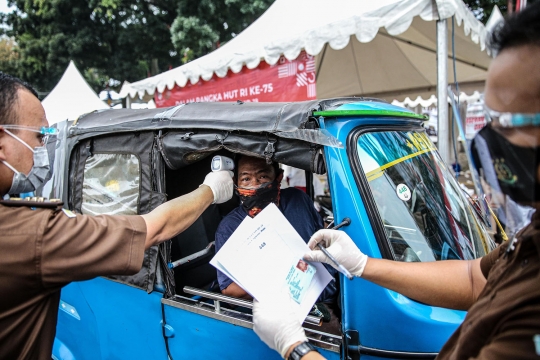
46,132
507,120
506,162
503,161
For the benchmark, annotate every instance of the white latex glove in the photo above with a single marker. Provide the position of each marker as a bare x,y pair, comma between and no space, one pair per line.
221,184
341,246
276,323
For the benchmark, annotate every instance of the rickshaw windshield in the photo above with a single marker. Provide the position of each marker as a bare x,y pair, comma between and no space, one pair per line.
425,214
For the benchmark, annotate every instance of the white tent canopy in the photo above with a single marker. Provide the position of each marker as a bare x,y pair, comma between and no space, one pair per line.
71,97
494,19
394,52
432,101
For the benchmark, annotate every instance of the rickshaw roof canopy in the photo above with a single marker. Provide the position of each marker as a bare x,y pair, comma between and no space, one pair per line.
276,118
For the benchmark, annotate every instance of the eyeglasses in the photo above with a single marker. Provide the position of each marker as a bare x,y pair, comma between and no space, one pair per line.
506,119
46,132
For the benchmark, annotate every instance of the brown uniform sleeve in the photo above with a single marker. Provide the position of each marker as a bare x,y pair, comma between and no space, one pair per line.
489,260
83,247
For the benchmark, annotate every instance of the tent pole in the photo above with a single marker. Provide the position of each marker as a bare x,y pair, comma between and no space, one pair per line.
442,91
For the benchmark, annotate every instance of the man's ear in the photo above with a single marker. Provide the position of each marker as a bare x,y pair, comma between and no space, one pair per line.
3,137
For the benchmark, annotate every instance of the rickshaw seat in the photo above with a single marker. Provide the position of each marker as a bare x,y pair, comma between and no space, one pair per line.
197,272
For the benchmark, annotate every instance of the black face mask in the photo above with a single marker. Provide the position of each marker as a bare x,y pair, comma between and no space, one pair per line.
513,168
255,200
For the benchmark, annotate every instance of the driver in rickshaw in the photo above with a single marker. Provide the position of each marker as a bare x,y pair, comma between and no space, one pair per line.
258,184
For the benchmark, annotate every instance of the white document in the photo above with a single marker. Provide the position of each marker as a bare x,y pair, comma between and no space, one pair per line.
265,253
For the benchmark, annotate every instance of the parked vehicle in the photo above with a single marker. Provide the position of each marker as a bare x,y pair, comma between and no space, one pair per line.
384,174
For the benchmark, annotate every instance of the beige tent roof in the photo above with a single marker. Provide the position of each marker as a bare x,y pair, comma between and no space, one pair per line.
402,65
382,48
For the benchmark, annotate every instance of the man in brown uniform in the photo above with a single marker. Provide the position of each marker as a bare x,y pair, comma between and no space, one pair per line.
43,249
501,291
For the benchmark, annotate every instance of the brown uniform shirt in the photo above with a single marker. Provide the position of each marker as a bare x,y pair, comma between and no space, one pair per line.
505,320
42,250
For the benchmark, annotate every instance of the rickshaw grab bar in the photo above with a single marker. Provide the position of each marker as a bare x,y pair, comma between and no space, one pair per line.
191,257
310,319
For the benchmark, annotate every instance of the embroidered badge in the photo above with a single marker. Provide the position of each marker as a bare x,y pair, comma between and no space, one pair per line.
536,339
504,173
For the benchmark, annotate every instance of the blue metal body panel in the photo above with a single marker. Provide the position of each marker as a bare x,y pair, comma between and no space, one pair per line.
200,337
117,322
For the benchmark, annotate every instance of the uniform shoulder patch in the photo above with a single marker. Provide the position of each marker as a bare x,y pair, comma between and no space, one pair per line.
70,214
33,202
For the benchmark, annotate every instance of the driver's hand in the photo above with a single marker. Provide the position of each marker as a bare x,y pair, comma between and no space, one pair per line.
276,322
221,184
340,245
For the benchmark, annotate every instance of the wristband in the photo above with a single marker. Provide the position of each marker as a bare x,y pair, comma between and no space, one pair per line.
300,350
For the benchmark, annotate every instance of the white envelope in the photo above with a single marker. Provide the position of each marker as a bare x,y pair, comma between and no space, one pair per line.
260,253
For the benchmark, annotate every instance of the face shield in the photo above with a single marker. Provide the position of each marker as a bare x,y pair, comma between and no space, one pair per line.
56,145
504,161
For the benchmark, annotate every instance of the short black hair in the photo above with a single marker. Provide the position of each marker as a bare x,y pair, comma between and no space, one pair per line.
521,28
9,85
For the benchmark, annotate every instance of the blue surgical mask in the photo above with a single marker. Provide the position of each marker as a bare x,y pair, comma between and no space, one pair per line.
41,170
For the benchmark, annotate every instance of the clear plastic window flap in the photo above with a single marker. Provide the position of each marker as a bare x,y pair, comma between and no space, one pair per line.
111,184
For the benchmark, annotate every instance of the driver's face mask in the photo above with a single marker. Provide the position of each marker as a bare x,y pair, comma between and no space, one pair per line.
41,170
254,200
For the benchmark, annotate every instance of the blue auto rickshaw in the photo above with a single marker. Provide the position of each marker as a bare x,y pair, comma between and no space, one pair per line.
383,173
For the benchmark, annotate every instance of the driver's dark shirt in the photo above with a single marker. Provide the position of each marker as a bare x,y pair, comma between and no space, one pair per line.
504,323
298,208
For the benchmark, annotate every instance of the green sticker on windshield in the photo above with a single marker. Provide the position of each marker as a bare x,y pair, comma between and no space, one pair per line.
403,192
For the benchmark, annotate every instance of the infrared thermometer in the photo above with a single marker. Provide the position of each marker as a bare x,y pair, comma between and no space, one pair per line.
222,163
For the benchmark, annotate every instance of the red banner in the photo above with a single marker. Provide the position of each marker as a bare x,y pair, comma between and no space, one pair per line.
285,81
474,120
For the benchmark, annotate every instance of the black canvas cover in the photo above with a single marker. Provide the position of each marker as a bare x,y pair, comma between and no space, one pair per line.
180,149
142,145
283,132
253,117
